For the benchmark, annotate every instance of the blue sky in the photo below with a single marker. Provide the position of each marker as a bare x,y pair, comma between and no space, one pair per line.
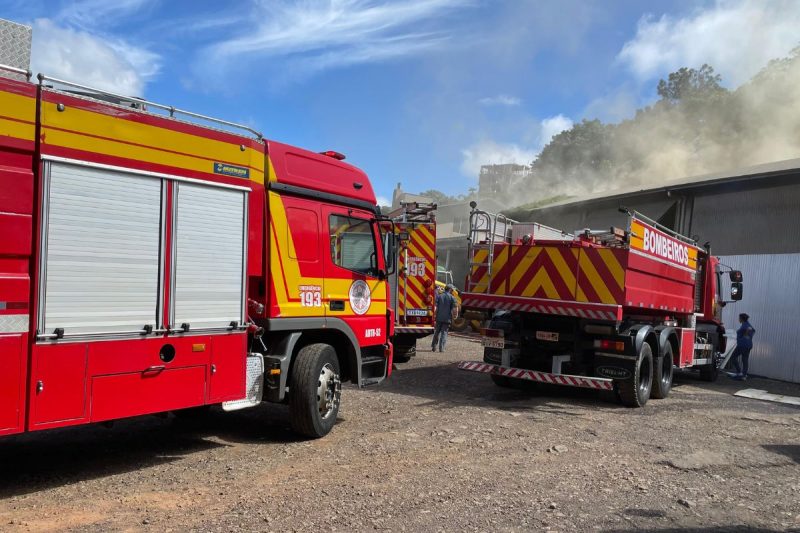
415,91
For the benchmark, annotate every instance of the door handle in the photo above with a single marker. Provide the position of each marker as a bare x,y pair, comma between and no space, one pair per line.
155,369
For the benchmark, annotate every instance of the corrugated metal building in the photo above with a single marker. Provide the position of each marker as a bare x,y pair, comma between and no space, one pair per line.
751,217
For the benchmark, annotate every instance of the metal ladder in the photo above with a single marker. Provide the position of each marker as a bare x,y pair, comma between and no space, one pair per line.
483,234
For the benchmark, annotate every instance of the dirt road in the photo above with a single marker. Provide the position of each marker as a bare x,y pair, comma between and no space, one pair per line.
435,449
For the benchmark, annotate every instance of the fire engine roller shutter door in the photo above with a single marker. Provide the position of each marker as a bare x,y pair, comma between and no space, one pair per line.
209,252
102,251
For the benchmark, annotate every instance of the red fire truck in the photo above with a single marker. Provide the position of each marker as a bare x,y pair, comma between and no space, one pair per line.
150,263
609,310
413,286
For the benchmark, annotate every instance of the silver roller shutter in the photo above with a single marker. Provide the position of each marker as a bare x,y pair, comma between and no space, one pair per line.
210,230
102,248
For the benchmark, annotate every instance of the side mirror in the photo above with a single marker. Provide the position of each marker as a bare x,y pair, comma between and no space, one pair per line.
736,291
736,276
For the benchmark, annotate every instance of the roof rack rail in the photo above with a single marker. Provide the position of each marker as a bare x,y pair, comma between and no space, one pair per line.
172,110
669,231
27,73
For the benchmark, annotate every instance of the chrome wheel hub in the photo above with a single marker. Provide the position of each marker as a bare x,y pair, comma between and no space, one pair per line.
329,391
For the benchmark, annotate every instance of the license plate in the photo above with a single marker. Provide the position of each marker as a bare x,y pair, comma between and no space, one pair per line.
417,312
549,336
493,342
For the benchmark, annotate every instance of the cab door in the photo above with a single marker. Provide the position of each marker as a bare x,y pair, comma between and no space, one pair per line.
354,290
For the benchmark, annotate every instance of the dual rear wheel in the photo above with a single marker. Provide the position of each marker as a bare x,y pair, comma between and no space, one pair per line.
651,377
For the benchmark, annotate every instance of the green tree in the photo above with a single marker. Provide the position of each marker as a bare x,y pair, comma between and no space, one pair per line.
688,83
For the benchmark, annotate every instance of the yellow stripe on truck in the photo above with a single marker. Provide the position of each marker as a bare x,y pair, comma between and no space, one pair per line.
85,130
13,109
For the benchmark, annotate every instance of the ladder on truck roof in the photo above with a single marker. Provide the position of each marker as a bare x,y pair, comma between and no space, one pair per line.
485,229
413,212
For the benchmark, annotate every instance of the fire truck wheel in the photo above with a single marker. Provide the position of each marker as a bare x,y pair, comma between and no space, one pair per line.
662,374
315,390
459,324
403,352
635,391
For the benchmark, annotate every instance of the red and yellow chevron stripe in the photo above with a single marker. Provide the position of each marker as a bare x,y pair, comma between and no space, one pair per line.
418,261
555,272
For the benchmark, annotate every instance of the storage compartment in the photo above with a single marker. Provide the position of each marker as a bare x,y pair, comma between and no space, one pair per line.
123,356
58,384
12,383
228,359
150,391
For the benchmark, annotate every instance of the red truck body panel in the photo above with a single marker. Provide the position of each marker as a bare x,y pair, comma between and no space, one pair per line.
584,276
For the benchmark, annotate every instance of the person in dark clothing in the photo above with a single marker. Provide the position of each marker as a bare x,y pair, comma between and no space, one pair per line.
744,343
445,303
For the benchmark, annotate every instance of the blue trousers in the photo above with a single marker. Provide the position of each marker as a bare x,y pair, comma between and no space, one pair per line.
744,353
440,335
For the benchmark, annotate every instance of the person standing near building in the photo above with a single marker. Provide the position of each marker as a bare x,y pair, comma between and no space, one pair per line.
744,343
445,304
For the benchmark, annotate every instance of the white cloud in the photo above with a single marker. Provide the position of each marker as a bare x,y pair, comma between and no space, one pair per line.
553,126
320,34
736,37
489,152
91,14
500,100
102,62
382,200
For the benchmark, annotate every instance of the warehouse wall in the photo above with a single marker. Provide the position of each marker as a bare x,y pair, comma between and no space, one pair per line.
749,221
601,214
772,299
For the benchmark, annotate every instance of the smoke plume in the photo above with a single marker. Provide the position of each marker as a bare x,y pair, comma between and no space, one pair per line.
697,127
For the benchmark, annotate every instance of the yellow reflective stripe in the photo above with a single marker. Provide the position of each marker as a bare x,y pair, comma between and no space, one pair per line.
18,130
541,281
144,142
590,272
567,276
17,106
613,266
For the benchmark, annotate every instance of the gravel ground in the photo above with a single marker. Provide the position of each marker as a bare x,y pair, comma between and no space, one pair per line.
434,449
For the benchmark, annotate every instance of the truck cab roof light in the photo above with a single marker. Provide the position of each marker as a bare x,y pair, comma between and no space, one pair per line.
336,155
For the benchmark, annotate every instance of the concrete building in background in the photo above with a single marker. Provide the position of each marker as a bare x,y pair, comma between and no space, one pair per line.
751,218
495,181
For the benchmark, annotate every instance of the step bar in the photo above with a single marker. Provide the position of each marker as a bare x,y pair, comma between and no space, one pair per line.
539,377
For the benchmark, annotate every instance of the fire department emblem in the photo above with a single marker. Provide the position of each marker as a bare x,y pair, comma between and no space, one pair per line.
360,297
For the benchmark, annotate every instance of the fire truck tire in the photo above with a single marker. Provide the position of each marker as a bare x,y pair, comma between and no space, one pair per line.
635,391
404,353
459,324
662,374
315,390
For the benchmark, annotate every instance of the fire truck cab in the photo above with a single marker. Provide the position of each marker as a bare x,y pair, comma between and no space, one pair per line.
151,263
